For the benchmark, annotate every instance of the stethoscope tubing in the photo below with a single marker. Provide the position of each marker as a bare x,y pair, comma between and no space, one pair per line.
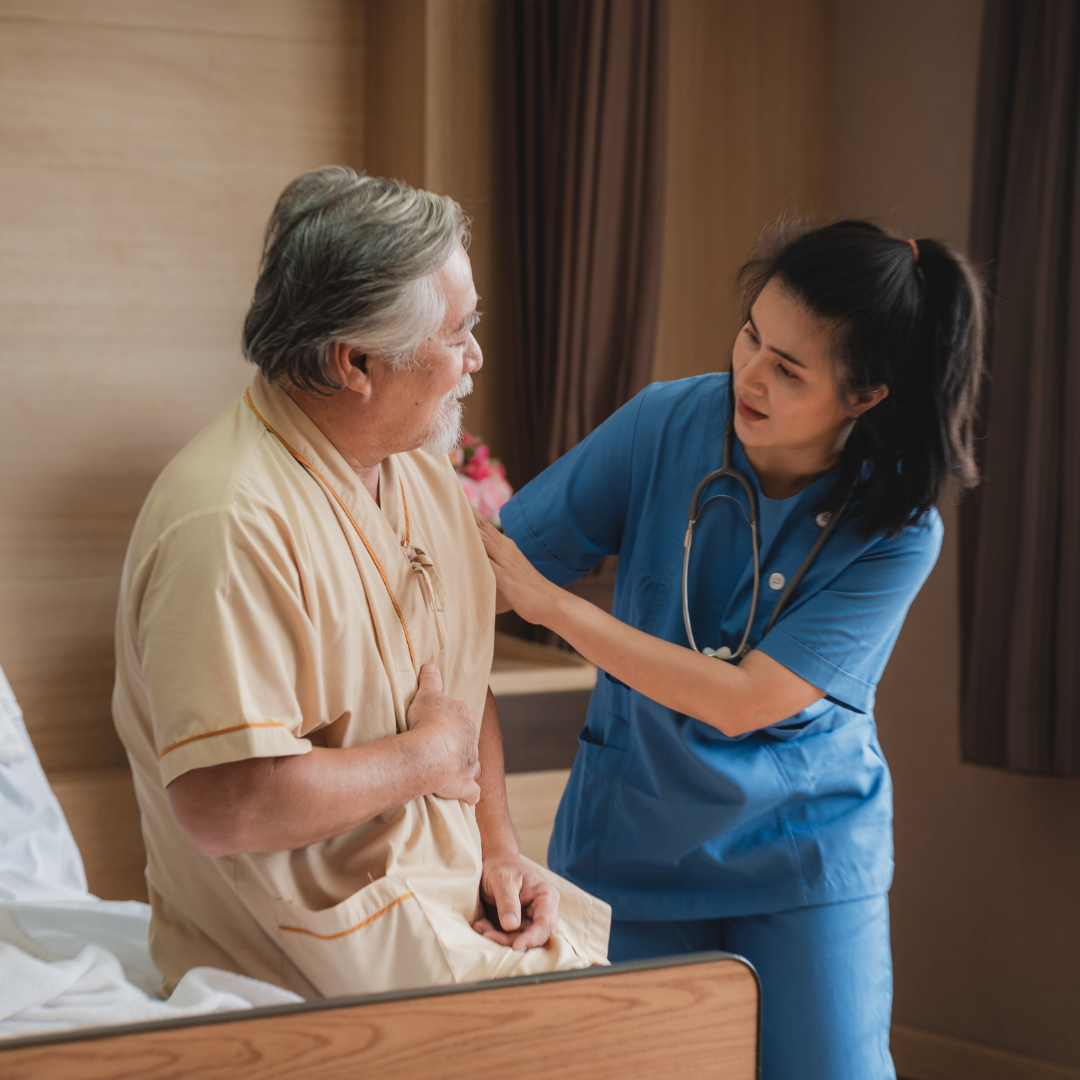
728,470
724,470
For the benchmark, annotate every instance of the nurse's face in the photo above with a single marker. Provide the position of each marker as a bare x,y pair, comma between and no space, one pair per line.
425,400
787,393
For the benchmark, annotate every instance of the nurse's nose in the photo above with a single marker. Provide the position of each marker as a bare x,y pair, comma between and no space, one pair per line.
750,376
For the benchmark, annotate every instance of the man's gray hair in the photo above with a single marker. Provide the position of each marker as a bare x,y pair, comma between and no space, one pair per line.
351,258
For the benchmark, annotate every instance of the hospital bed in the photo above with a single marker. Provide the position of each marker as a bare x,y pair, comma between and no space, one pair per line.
690,1017
687,1016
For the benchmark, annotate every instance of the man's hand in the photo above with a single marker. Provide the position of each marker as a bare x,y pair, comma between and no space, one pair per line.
527,904
450,731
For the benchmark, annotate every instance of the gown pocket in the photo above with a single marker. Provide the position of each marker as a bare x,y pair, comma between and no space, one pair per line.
376,940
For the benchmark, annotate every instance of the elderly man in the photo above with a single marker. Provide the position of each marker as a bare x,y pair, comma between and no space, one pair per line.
305,633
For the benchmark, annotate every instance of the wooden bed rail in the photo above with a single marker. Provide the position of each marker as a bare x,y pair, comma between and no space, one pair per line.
680,1017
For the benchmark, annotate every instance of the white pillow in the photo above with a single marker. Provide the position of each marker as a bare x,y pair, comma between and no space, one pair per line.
38,856
12,745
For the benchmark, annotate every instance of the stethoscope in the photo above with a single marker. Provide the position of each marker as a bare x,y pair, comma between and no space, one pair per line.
825,519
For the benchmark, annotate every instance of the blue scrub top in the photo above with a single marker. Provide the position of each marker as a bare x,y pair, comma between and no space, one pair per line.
665,817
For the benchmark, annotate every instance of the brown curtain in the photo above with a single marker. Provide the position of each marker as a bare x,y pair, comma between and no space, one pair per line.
584,89
1020,535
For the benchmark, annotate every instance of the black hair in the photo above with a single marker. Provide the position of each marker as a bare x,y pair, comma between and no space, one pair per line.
913,323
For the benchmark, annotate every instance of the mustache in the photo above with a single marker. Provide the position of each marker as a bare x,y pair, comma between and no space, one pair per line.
463,389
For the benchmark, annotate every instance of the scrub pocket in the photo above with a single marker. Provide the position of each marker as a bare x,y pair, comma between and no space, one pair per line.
645,832
581,819
376,940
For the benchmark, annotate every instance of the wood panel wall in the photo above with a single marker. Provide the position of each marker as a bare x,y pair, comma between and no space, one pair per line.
144,143
750,139
433,122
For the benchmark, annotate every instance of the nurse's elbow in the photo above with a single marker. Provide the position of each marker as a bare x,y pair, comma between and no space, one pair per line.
734,717
730,723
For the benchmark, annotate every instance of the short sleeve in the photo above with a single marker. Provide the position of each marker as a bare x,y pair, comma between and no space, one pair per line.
840,638
573,514
223,640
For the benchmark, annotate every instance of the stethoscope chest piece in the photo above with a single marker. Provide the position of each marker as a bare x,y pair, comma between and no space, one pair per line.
723,653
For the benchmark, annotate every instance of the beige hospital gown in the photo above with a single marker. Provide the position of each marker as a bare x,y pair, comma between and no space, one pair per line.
269,605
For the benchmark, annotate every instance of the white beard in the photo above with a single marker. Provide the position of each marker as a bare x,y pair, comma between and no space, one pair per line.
445,431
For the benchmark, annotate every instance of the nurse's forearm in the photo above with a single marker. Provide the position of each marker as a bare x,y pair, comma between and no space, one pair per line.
284,803
492,811
732,698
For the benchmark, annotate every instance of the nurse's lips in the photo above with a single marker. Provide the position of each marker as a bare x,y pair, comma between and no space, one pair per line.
747,413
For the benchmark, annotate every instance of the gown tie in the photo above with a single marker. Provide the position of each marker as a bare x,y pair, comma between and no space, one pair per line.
430,586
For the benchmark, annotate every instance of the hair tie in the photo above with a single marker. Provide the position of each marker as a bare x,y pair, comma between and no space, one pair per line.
914,250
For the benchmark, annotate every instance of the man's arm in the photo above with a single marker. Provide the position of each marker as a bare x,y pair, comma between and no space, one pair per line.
283,803
493,811
527,904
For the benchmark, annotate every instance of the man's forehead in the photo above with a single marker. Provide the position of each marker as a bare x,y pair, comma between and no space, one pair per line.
460,292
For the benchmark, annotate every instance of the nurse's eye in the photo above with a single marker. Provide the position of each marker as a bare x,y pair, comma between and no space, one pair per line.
786,372
748,330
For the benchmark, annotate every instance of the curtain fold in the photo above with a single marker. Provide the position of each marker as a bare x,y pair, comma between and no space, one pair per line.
584,105
1020,533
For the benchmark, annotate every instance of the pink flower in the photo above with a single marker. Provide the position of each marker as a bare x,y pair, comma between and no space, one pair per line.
488,494
483,478
477,465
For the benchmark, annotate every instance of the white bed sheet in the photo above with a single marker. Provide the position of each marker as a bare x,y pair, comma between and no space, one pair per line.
38,856
67,959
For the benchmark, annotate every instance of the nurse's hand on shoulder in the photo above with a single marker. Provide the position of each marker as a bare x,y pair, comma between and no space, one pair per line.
527,904
450,736
520,586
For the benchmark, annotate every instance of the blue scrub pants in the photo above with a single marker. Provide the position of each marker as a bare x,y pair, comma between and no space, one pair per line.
826,981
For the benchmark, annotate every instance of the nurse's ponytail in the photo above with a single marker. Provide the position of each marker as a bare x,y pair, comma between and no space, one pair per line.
909,315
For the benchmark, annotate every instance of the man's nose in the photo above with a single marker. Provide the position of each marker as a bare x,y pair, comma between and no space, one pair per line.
474,357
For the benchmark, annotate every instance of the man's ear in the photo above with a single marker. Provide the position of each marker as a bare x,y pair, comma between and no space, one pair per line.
863,400
349,367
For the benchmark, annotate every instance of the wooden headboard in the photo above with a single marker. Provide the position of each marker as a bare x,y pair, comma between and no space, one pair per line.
687,1017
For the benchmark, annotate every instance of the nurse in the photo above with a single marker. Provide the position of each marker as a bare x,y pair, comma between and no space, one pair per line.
745,804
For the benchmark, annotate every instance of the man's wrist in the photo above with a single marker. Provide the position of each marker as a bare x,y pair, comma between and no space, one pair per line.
498,842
